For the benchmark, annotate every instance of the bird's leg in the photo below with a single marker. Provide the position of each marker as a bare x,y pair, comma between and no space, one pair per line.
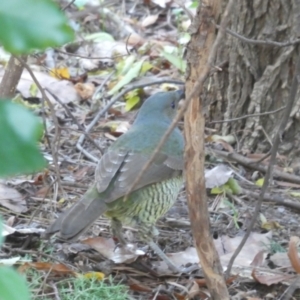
169,263
146,232
164,257
116,229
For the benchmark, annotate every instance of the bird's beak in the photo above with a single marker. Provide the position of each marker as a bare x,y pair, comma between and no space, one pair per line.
180,104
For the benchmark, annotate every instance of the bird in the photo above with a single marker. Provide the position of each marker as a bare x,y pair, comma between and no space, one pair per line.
155,192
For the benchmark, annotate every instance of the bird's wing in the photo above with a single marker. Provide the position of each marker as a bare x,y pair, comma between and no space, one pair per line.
122,168
107,168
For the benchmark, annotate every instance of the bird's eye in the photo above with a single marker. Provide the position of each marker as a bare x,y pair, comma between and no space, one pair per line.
173,104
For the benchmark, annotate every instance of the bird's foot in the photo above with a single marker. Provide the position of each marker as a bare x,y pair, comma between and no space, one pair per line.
169,263
181,270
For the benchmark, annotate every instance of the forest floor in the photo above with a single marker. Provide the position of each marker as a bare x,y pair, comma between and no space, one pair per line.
149,38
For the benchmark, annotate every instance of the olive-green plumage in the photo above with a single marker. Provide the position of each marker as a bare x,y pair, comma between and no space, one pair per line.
156,190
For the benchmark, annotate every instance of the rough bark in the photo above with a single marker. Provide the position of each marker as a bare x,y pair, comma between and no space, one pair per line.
11,77
202,39
257,77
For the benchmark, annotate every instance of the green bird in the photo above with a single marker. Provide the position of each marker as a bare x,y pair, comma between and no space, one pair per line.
155,192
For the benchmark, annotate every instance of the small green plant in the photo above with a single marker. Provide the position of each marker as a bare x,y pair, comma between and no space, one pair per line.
93,289
275,247
80,288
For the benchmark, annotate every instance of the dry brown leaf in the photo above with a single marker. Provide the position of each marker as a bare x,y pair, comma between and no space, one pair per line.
135,40
58,269
12,199
269,278
293,253
81,173
149,20
137,286
42,192
225,247
193,291
85,90
63,89
259,259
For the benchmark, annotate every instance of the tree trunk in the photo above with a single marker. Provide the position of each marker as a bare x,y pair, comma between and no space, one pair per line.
257,78
11,77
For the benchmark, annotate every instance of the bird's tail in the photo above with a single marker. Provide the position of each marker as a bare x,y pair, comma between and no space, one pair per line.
79,217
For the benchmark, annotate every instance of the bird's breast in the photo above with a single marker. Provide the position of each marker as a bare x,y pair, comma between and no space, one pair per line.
147,204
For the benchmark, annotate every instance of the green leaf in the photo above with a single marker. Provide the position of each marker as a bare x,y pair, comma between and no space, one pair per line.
295,194
194,4
130,75
132,102
175,60
234,186
33,90
13,285
146,67
217,190
32,24
260,182
1,229
127,64
20,131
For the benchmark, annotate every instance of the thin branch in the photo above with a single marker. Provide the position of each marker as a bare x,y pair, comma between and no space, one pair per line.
269,173
68,5
90,57
275,198
74,119
249,116
53,145
254,164
260,42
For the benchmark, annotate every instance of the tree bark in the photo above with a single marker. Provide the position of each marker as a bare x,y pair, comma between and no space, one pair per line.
202,39
11,77
257,77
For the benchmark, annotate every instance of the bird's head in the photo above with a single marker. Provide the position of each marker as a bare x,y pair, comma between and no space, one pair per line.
161,105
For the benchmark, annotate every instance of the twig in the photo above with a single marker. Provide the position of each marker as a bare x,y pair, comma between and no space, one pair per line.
67,5
288,293
101,86
90,57
55,289
269,173
260,42
253,165
53,145
249,116
74,119
263,158
273,198
185,9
